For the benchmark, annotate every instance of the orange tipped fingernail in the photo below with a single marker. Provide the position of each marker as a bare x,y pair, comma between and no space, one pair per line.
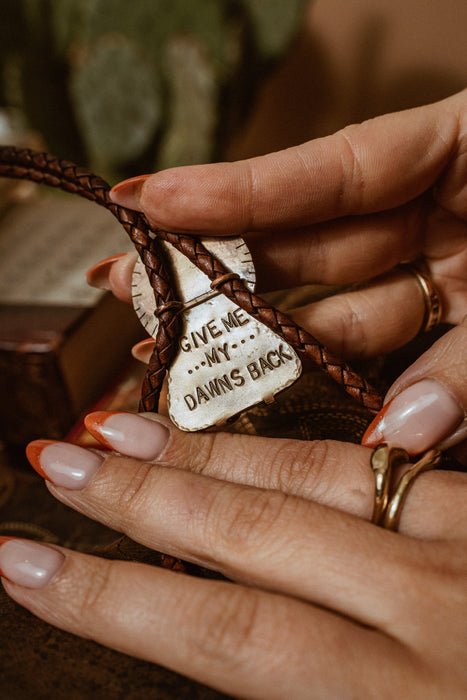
126,193
94,423
98,275
128,433
374,434
33,453
70,466
142,351
420,417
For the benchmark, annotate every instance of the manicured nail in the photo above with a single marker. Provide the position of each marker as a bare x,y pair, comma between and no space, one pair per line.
63,464
128,433
418,418
98,275
27,563
126,193
142,351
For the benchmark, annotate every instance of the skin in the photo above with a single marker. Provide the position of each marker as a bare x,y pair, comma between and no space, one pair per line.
320,602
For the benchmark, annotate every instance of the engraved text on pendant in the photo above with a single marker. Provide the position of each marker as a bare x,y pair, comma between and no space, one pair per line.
226,363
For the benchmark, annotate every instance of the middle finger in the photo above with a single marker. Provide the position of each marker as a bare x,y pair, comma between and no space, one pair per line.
339,252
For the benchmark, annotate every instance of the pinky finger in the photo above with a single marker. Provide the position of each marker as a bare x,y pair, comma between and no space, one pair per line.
217,632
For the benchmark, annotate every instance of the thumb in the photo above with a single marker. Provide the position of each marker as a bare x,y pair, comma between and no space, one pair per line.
426,407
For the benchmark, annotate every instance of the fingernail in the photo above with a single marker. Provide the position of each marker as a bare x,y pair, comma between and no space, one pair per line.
128,433
63,464
27,563
142,351
98,275
126,193
416,419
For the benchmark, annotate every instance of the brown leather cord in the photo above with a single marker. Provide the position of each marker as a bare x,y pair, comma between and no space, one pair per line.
48,170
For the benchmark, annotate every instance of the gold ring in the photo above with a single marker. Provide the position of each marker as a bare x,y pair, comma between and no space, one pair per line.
433,307
383,459
388,504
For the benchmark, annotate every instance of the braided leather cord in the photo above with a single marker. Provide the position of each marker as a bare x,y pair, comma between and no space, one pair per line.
48,170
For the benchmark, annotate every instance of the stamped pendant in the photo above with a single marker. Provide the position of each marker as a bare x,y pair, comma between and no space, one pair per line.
227,360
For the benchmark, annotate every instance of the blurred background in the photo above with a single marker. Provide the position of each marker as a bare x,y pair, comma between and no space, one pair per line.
355,59
130,87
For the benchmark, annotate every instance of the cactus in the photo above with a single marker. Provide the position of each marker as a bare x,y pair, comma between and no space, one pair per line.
129,86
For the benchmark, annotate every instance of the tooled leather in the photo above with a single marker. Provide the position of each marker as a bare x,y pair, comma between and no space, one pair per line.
48,170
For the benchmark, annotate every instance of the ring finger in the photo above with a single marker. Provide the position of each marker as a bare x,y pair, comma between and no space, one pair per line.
344,251
334,474
361,323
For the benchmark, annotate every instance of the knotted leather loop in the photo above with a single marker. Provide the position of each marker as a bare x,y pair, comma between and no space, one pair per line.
48,170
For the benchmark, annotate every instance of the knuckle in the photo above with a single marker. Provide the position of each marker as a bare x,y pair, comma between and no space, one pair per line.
208,450
352,179
319,470
230,629
97,596
347,314
135,495
352,332
445,568
318,251
246,520
310,471
200,453
301,468
250,194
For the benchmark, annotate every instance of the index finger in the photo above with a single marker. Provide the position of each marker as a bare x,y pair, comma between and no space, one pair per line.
363,168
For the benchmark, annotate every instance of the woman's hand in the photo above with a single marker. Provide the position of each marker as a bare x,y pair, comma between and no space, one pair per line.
320,602
348,209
